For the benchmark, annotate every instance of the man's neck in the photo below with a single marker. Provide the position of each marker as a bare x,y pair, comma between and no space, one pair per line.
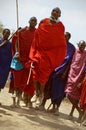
53,20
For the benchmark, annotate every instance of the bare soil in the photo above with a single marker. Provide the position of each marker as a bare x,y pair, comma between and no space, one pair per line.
30,119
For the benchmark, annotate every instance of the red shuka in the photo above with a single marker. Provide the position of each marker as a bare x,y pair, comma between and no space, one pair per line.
83,95
48,49
20,76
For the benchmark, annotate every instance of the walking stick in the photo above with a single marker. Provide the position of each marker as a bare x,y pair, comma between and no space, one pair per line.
16,64
49,106
4,42
31,67
17,22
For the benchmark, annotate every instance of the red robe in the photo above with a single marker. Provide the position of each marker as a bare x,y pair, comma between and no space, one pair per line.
20,76
83,95
48,49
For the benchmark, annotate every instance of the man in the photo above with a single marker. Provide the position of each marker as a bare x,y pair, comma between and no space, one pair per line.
76,75
55,86
83,101
23,42
47,51
60,74
5,57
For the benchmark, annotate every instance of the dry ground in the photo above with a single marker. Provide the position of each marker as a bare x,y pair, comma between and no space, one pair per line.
31,119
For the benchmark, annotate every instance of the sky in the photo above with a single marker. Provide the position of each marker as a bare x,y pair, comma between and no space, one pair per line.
73,14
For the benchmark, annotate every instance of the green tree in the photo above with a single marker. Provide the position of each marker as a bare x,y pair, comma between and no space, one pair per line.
1,29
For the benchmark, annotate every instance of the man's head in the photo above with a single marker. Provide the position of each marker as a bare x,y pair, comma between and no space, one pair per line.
56,13
6,33
67,36
82,45
33,22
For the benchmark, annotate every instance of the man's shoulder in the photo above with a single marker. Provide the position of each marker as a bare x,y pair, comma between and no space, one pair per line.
71,44
44,20
23,29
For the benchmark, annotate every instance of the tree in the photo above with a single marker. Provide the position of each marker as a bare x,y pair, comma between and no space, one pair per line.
1,29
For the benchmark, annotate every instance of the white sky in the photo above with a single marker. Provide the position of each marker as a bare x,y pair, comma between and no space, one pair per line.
73,14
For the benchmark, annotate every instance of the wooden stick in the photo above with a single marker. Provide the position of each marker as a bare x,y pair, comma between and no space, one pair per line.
28,80
4,42
49,106
17,14
17,24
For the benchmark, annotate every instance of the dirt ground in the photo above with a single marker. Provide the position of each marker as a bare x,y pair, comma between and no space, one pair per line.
30,119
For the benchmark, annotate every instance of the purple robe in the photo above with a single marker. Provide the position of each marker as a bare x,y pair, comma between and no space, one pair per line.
5,61
58,84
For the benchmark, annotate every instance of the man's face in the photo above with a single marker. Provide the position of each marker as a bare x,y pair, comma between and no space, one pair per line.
6,34
82,46
56,13
33,22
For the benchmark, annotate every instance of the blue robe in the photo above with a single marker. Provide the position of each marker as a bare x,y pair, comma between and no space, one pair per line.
57,83
5,61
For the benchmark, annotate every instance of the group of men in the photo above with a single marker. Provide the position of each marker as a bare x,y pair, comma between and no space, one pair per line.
41,46
37,58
